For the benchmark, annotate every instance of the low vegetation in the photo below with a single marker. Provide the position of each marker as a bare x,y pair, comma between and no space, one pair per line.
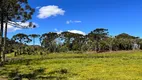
123,65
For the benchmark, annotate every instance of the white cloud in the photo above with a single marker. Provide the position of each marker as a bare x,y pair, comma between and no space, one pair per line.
48,11
68,22
12,28
77,31
77,21
38,7
72,31
26,24
58,31
71,21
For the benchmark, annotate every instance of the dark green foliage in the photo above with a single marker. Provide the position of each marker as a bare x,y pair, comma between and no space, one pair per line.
22,39
48,41
98,35
126,36
60,71
97,40
13,74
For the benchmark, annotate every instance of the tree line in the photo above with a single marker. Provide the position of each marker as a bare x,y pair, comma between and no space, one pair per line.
97,40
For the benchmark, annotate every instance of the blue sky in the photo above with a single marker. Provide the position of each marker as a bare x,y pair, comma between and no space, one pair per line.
117,16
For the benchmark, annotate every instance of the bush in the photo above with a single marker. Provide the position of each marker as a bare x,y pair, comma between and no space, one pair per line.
63,49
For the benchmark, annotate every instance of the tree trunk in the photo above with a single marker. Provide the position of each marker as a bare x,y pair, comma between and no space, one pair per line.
97,46
110,46
33,41
5,36
1,36
21,47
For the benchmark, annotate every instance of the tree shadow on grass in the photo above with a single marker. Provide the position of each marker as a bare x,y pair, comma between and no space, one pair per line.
62,73
53,78
35,75
15,75
26,61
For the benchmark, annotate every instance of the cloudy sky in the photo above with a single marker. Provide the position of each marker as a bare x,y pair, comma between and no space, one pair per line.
82,16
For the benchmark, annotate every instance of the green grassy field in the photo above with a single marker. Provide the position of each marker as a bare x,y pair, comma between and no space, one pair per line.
124,65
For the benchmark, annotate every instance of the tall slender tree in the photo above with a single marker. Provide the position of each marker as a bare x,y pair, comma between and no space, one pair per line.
13,12
48,41
68,39
98,35
34,36
22,39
